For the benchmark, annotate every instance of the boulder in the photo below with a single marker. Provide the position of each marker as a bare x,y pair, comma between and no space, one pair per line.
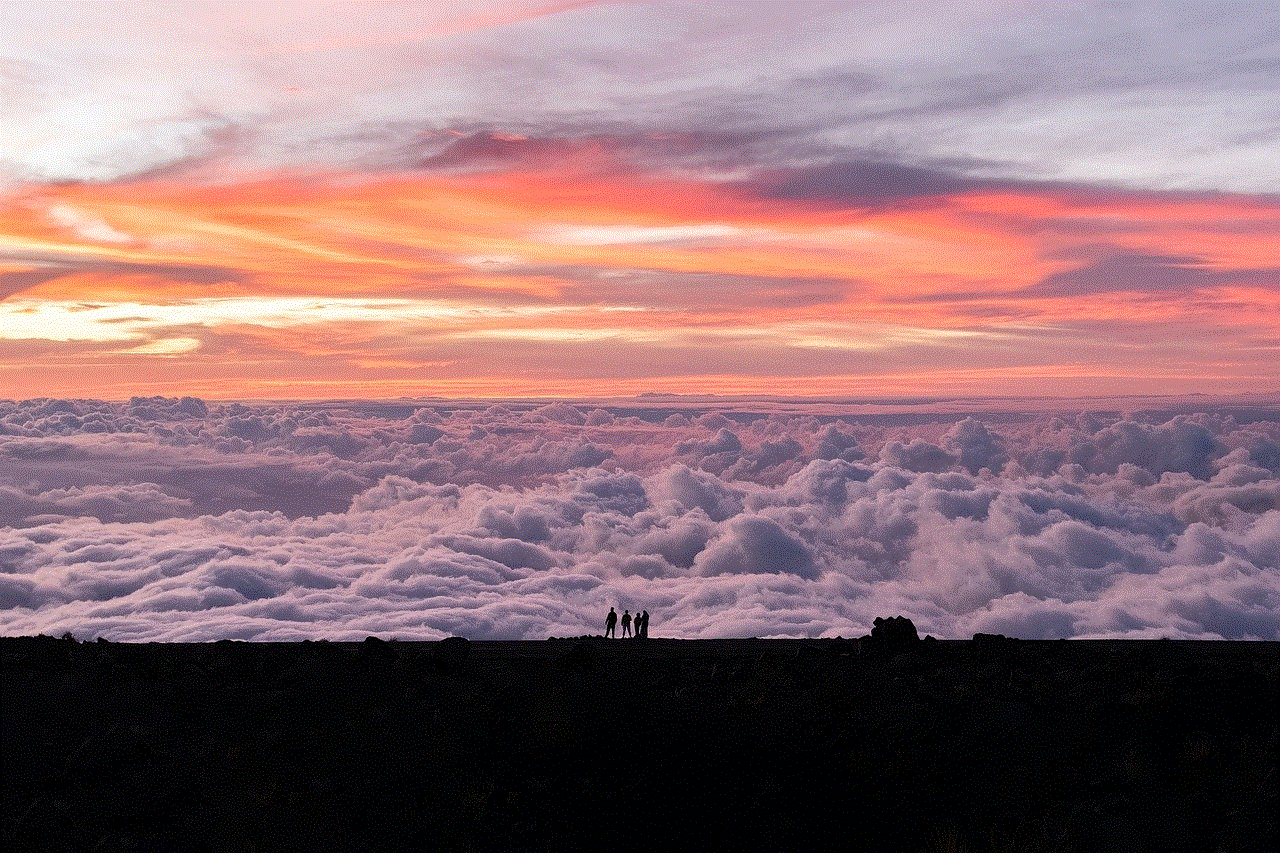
376,648
986,648
890,636
451,653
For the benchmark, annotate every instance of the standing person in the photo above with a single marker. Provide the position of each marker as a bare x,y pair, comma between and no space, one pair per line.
610,622
626,623
644,624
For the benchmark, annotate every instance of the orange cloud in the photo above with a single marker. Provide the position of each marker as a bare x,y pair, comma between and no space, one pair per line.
549,261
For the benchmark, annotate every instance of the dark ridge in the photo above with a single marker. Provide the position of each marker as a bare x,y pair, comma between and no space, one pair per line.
889,742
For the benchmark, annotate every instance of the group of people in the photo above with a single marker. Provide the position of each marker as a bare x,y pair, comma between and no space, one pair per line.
640,622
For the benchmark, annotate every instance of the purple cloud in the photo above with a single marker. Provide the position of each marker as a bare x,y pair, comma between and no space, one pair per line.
171,519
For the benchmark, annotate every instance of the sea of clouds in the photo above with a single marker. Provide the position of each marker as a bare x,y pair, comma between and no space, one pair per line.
178,520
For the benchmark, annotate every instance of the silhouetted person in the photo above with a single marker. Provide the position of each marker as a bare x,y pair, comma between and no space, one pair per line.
610,622
626,623
644,624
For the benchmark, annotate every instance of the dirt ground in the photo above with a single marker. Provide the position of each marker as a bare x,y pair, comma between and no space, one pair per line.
576,744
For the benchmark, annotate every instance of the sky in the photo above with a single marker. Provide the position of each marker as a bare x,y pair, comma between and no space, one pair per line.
328,320
579,199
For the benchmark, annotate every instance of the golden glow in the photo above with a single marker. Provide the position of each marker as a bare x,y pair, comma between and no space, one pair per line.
545,282
166,346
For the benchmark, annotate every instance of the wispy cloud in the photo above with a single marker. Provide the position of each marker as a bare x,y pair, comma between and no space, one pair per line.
682,192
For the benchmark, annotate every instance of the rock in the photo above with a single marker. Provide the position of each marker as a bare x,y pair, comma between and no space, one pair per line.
376,648
991,647
890,636
844,648
451,653
580,658
998,643
895,629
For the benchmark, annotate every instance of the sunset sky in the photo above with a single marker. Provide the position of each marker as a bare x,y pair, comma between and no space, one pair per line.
377,199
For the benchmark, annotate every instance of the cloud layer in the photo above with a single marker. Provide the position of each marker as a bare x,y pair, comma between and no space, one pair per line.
173,519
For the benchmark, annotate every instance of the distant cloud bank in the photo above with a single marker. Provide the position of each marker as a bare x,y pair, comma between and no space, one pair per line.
175,519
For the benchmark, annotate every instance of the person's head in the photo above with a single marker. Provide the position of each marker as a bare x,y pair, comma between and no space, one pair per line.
610,609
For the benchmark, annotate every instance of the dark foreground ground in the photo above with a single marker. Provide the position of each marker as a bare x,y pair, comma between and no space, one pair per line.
639,746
